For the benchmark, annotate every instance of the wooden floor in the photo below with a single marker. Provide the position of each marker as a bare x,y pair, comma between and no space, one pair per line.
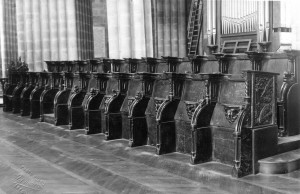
41,158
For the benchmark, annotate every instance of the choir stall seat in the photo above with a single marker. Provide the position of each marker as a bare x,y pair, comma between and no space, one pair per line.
25,95
134,85
61,113
13,82
138,129
243,126
78,96
100,69
48,95
35,96
288,101
199,97
16,95
112,102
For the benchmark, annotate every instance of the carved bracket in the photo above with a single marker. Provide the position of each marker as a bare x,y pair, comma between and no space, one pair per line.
93,92
197,63
172,63
256,59
152,64
232,113
190,108
224,61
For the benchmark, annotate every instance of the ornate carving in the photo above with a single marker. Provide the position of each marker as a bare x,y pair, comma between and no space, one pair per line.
263,99
130,101
93,91
158,103
75,89
106,102
190,108
231,113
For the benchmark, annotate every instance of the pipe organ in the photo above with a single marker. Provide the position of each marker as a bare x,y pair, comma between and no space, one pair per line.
239,16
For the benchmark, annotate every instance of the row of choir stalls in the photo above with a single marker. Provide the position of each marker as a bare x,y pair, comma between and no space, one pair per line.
217,108
236,104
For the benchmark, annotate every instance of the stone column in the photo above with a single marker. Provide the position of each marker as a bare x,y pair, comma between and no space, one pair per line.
8,34
37,46
182,28
90,40
13,30
2,38
20,28
29,34
167,28
160,27
124,29
53,23
71,30
139,47
45,31
112,25
174,29
62,30
148,28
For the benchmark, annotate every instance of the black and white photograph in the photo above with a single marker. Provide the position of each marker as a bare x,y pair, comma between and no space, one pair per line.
149,96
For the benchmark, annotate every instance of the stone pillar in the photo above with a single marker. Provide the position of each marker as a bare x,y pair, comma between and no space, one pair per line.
71,30
182,28
37,46
90,30
45,31
160,27
167,28
8,34
29,34
20,28
124,28
53,23
62,30
79,30
139,47
148,28
112,25
2,38
174,29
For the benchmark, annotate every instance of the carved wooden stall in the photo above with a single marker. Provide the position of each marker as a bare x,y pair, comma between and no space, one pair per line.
162,107
79,90
198,97
243,127
16,95
61,113
134,85
116,92
35,100
14,81
288,102
138,129
55,83
25,95
100,71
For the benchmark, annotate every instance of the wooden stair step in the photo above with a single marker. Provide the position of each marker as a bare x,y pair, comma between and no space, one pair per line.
281,163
